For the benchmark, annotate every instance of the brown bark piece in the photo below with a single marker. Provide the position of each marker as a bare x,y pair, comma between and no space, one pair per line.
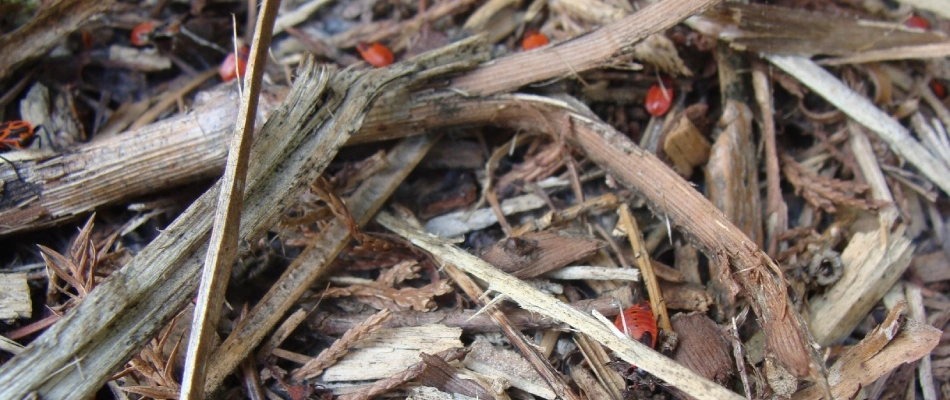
702,347
732,173
536,253
685,144
596,49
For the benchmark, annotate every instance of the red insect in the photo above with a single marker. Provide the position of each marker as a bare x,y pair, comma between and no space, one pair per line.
638,323
533,39
938,88
142,33
917,22
659,98
16,135
376,54
234,66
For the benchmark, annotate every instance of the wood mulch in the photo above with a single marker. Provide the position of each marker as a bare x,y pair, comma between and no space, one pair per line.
481,199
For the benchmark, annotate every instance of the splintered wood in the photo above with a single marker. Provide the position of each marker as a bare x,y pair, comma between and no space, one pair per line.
387,351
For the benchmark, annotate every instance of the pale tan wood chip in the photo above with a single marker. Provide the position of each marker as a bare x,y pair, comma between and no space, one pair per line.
15,297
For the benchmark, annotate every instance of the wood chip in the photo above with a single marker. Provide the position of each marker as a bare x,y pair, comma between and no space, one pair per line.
15,297
388,351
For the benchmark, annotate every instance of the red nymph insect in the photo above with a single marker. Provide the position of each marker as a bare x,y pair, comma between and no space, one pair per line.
376,54
142,33
533,39
917,22
16,135
638,323
938,89
659,98
234,66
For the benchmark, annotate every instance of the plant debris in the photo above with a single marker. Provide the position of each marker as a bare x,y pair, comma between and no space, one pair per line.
577,199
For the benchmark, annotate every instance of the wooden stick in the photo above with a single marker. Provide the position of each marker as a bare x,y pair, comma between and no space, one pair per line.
642,256
596,49
222,248
776,211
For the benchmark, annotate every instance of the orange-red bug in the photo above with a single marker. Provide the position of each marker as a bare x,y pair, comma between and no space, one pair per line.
917,22
234,66
16,135
533,39
659,98
938,88
638,323
376,54
142,33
